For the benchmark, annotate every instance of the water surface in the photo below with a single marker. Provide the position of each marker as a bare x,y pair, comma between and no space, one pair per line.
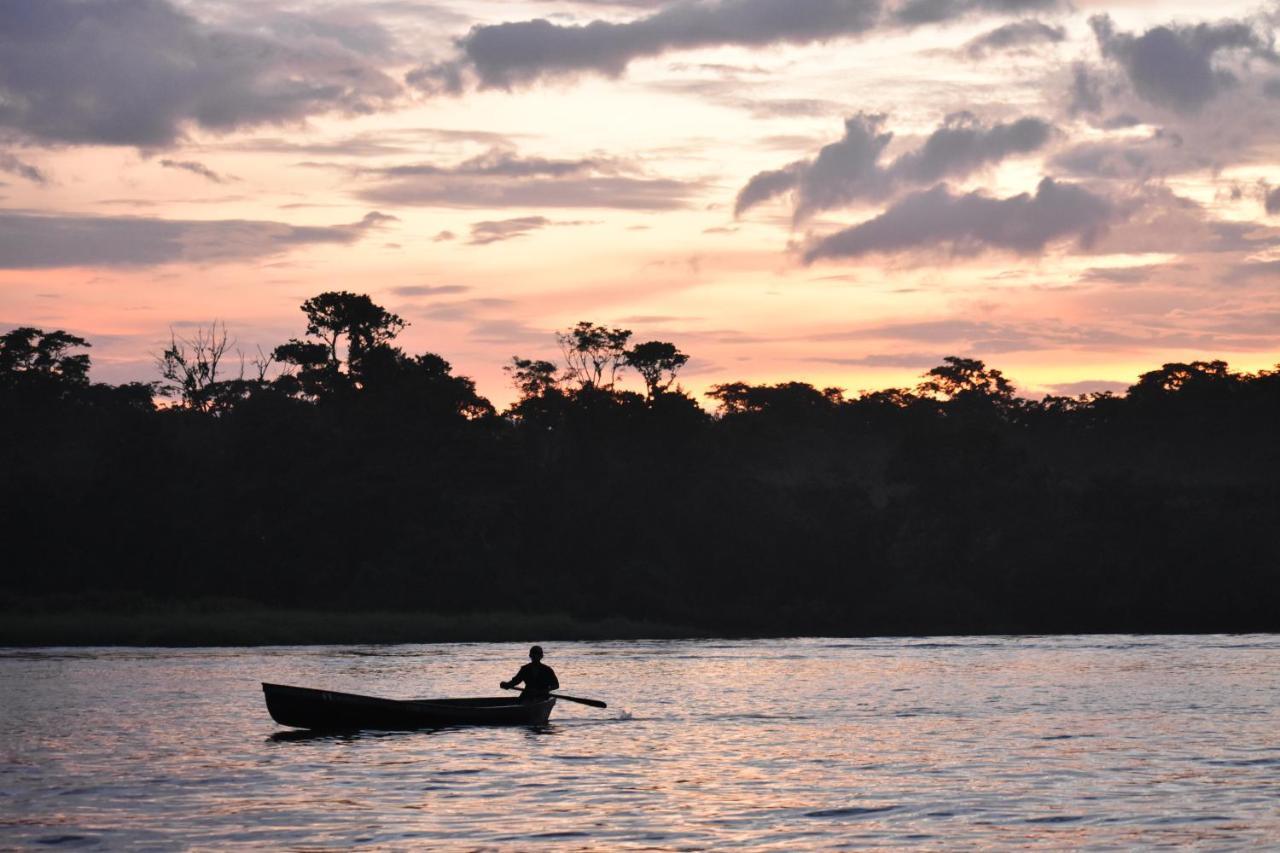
1056,742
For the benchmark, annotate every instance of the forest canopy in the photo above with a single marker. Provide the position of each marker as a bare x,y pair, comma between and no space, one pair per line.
339,472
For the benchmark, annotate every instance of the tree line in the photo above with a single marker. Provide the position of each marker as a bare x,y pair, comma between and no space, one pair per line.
338,471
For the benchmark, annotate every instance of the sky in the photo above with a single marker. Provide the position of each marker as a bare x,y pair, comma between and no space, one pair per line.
835,191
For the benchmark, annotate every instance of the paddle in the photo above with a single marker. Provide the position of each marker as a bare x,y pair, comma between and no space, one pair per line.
594,703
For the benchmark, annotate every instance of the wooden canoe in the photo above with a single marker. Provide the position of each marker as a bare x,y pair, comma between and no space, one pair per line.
304,708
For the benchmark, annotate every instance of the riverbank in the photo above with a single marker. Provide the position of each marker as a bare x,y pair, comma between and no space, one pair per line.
260,626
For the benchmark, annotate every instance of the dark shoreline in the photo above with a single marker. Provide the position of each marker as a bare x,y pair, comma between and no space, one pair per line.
182,626
283,627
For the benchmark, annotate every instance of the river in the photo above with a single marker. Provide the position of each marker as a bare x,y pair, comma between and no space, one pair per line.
961,742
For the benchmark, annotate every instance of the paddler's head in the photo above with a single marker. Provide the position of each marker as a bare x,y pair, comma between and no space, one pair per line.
535,653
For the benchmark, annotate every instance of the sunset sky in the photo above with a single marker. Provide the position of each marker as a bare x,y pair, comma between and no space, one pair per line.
838,191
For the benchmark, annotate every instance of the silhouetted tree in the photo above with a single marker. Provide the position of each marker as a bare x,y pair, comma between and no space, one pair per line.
966,377
190,366
334,315
34,360
657,362
532,378
1202,378
788,399
593,354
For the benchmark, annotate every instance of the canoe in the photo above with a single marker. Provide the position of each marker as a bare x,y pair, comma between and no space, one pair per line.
304,708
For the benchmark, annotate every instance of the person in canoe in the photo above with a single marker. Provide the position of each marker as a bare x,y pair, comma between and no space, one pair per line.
538,678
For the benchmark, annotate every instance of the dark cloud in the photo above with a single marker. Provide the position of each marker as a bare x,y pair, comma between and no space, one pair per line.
140,72
1272,201
974,222
1271,88
464,309
194,168
1107,159
911,360
917,12
11,164
1017,36
1085,93
521,52
31,241
1160,154
766,185
849,170
493,231
1121,275
375,144
988,337
1088,386
430,290
503,179
509,54
1173,66
444,237
1157,220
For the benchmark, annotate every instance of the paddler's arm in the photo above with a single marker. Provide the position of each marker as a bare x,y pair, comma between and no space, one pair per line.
515,680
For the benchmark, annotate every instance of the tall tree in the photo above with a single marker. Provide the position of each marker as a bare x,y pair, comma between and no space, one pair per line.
966,379
339,314
38,366
657,362
594,354
33,357
190,366
532,378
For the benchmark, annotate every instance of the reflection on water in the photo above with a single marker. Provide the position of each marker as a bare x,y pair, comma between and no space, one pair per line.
1044,741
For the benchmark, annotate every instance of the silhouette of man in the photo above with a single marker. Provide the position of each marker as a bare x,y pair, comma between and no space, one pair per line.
539,679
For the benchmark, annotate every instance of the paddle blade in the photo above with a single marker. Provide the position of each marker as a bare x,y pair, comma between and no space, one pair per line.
594,703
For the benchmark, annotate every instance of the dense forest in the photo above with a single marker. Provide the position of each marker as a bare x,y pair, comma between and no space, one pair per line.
338,473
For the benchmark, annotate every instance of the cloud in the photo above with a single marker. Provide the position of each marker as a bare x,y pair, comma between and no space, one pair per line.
142,72
501,179
194,168
14,166
464,309
386,142
493,231
1272,201
1173,66
849,170
912,360
40,241
1088,386
917,12
518,53
1160,154
1019,36
1121,275
974,222
1085,92
430,290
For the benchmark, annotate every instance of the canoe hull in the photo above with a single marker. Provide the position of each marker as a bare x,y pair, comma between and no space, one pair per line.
305,708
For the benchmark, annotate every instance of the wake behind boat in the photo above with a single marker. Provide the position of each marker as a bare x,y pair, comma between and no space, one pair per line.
305,708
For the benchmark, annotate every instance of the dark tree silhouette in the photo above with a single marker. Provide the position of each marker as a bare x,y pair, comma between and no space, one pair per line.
657,362
365,325
532,378
385,482
593,354
36,360
959,378
189,367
